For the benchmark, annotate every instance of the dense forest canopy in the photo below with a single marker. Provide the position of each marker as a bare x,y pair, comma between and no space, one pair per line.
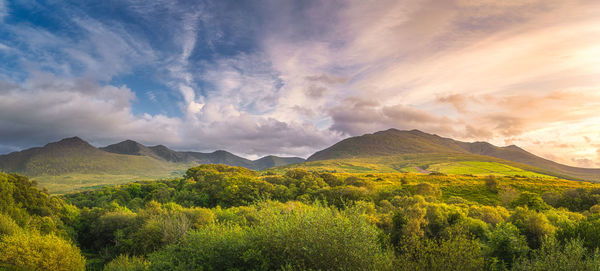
218,217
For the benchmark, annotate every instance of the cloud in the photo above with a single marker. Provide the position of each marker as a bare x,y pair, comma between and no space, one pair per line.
3,10
583,162
458,101
49,108
357,115
286,78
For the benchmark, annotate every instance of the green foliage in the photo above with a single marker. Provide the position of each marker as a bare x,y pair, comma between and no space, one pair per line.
218,217
491,182
32,250
456,252
588,230
534,225
127,263
577,199
8,225
554,256
295,236
505,245
531,200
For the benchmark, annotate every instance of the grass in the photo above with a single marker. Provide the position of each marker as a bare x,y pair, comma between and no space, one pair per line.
436,162
482,168
469,187
74,182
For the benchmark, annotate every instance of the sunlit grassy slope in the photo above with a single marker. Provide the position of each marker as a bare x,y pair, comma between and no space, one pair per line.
73,182
426,162
394,143
471,188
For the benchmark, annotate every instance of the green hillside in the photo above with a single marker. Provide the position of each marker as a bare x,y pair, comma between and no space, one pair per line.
466,164
72,164
74,155
389,142
427,149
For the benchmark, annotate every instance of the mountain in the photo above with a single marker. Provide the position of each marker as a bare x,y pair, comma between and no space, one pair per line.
388,142
396,142
73,164
160,152
74,155
275,161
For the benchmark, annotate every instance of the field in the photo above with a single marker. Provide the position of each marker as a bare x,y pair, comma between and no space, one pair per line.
432,162
75,182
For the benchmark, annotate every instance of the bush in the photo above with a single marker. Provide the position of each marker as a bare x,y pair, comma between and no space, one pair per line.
588,230
491,182
531,200
426,189
553,256
127,263
8,225
535,226
294,236
506,244
457,252
39,252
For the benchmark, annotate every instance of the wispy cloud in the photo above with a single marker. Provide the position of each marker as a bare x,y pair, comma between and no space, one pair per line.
290,78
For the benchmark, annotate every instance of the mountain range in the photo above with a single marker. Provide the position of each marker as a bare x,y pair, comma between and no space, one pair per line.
74,155
396,142
73,159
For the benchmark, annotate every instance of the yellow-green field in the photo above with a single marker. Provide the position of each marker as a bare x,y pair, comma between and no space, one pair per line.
74,182
424,163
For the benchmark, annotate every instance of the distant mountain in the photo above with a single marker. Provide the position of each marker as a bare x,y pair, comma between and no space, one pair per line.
395,142
74,155
275,161
217,157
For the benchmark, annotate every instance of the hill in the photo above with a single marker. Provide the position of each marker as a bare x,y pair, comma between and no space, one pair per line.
394,142
73,163
72,155
275,161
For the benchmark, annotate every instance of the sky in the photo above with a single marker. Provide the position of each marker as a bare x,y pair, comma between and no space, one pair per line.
291,77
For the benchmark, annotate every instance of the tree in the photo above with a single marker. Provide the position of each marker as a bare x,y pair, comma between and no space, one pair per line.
554,256
491,182
506,244
531,200
127,263
39,252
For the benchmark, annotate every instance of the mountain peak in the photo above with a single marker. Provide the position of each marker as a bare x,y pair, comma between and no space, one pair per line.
126,147
128,141
69,142
74,139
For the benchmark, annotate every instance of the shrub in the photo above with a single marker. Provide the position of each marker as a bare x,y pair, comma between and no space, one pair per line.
8,225
491,182
531,200
127,263
39,252
292,236
535,226
427,189
457,252
489,214
554,256
588,230
506,244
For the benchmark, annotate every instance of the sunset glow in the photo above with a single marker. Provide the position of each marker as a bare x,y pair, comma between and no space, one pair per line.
293,77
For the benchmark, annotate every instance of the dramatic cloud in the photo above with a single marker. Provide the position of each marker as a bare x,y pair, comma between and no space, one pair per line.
290,77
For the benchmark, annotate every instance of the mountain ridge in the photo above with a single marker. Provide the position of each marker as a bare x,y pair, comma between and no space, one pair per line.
75,155
394,142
